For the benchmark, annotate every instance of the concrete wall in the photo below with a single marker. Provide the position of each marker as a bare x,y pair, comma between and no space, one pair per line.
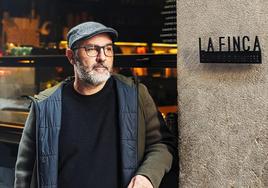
223,119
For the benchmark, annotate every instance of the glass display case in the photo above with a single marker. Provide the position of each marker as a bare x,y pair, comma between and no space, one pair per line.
22,76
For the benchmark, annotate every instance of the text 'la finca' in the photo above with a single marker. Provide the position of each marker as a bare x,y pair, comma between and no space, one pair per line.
239,43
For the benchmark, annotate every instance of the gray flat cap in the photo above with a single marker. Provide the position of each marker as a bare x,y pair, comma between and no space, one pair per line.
87,30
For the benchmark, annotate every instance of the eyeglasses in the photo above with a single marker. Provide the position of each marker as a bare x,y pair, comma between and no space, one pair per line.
93,50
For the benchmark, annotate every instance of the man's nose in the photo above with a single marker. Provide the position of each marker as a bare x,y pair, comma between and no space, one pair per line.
101,55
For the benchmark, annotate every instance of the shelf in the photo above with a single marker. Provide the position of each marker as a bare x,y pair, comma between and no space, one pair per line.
146,61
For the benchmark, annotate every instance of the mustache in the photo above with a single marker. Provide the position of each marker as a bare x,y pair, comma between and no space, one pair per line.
99,65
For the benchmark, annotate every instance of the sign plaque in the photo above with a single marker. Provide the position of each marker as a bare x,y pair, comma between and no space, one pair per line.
241,49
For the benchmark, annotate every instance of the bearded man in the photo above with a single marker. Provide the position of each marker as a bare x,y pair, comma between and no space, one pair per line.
97,129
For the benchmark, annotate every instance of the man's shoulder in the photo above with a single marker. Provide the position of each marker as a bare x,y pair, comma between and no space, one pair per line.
130,81
54,92
45,94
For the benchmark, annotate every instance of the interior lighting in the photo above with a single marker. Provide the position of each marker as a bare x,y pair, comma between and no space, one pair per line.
164,45
131,44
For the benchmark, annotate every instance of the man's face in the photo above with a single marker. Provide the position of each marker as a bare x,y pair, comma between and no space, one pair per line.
93,64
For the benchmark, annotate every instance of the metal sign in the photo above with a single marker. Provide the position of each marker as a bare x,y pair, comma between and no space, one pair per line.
231,50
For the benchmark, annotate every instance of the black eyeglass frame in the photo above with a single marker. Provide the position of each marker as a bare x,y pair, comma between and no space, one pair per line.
97,48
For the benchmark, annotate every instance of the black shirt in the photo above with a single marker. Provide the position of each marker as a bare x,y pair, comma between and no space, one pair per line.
89,149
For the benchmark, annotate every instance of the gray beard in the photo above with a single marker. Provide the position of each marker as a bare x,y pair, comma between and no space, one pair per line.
92,78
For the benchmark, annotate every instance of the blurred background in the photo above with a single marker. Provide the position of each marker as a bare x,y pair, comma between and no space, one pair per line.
33,43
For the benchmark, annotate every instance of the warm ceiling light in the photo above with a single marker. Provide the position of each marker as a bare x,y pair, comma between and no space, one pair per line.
131,44
164,45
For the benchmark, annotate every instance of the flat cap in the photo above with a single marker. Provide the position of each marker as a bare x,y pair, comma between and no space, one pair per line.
87,30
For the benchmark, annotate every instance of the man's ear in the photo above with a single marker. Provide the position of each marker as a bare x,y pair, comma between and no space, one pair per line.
70,55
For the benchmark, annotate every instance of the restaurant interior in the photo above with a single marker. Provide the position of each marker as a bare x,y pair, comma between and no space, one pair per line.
33,42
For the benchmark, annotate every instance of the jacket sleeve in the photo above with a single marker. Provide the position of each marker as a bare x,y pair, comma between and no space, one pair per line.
26,154
157,158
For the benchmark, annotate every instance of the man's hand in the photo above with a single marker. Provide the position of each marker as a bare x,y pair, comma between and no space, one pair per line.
140,181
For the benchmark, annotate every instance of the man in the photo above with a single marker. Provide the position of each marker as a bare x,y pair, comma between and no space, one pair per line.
95,130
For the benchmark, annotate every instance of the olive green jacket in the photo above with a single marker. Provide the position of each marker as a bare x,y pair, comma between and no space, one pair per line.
144,148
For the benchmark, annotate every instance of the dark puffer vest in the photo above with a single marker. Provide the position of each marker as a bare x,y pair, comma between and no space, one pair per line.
142,149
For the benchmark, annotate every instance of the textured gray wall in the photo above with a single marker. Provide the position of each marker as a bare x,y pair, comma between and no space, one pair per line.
223,108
